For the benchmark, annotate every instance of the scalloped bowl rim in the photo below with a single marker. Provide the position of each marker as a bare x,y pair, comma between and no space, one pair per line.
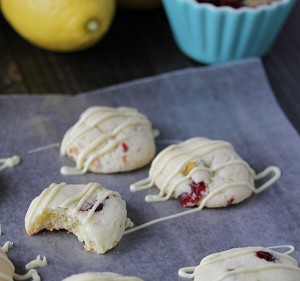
273,5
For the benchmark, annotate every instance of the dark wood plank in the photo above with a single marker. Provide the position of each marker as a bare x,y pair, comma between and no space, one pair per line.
282,67
11,77
138,44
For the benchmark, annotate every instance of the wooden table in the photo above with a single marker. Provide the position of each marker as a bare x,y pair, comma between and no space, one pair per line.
138,44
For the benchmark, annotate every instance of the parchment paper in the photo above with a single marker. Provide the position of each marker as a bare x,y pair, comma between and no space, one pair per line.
231,102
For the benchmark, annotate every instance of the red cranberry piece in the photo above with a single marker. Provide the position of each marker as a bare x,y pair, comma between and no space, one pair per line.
266,256
191,199
89,205
99,207
124,146
230,201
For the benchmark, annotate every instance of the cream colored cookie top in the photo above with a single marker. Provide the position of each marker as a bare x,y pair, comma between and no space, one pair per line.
199,168
95,214
103,276
204,173
245,264
109,140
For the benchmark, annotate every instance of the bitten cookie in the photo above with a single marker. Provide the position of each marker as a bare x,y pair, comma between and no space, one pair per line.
109,140
245,264
96,215
103,276
203,171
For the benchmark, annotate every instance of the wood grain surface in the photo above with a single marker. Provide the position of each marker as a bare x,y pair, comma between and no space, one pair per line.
138,44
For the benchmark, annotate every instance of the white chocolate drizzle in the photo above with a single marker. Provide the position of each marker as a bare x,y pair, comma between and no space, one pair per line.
100,276
110,139
5,263
38,262
7,245
42,148
190,272
9,162
195,150
248,269
96,215
51,192
32,273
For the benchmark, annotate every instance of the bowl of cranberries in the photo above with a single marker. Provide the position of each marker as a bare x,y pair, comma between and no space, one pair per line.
215,31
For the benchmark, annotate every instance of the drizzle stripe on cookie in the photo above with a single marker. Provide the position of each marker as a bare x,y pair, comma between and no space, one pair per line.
191,272
52,191
108,139
195,149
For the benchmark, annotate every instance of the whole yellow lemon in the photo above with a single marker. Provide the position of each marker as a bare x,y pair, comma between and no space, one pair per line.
60,25
140,4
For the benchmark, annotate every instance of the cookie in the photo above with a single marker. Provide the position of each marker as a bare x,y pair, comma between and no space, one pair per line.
97,276
109,140
96,215
203,171
245,264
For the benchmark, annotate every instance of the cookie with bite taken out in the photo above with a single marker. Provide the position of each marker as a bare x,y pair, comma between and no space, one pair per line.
96,215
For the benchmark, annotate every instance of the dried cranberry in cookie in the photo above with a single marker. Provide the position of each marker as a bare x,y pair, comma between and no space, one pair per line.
245,264
96,215
109,140
194,197
100,276
266,256
203,172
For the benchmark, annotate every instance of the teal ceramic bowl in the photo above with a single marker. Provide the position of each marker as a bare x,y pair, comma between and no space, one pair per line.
211,34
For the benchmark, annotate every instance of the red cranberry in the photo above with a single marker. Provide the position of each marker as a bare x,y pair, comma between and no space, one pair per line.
266,256
125,147
230,201
191,199
99,207
89,205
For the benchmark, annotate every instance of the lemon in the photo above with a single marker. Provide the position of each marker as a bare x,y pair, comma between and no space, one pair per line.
60,25
140,4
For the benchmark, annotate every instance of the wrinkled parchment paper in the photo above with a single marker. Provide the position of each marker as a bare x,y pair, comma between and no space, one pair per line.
231,102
